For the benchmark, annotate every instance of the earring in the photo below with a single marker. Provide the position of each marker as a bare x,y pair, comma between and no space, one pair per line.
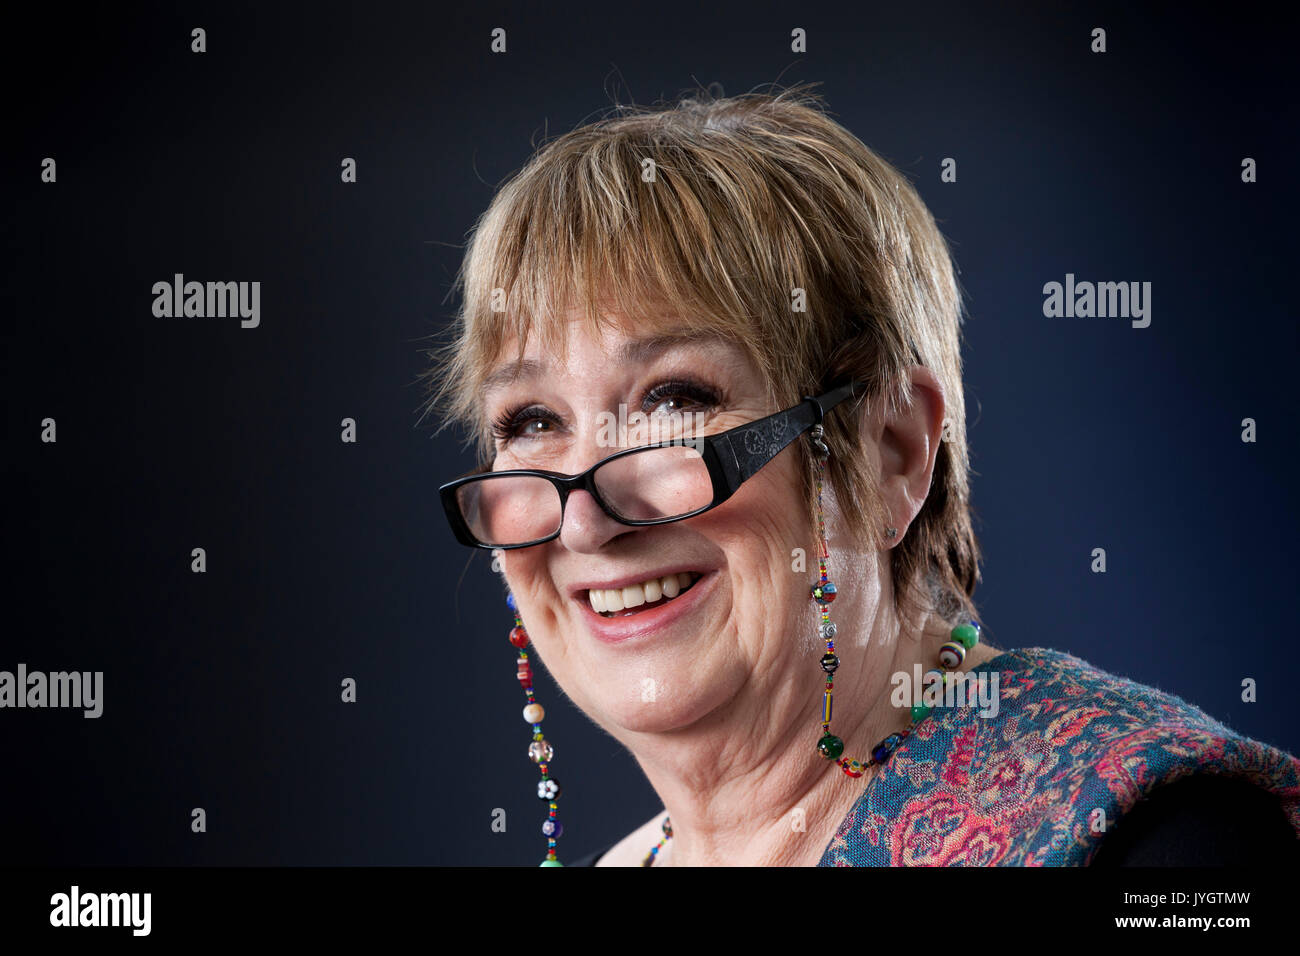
823,592
890,532
540,750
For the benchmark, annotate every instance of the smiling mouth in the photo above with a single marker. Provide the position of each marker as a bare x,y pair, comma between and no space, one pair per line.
646,596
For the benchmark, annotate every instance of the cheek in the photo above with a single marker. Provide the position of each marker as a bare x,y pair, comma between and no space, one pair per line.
770,512
770,552
526,574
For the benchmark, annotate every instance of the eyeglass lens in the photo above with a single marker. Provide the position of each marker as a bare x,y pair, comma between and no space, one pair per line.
656,483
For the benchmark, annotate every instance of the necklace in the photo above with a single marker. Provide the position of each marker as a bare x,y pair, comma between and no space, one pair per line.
822,592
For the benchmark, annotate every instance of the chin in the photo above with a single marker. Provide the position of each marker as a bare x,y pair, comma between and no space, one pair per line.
658,699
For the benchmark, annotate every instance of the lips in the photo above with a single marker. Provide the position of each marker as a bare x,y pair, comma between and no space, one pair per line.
641,596
648,618
578,590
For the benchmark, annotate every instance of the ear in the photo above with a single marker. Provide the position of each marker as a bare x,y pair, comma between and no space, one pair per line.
905,446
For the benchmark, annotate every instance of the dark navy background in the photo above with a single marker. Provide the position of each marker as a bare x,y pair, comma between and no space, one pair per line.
328,560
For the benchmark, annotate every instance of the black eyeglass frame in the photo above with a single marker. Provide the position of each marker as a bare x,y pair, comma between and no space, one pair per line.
731,457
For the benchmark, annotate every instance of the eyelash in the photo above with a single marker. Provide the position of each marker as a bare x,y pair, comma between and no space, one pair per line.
508,424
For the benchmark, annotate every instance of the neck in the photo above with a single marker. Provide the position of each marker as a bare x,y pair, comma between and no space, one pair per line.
748,788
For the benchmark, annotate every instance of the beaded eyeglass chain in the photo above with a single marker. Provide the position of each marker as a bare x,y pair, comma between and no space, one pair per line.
540,750
823,591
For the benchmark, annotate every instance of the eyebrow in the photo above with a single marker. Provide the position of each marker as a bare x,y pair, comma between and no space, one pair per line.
638,350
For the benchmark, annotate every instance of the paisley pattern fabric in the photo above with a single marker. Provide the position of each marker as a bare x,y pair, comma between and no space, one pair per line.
1029,786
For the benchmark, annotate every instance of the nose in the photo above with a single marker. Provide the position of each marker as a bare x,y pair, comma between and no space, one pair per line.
586,528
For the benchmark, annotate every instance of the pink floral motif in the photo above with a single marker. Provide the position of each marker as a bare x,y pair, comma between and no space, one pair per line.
941,831
926,729
874,827
956,770
1019,789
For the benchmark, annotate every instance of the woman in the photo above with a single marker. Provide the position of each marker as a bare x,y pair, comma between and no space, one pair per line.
750,322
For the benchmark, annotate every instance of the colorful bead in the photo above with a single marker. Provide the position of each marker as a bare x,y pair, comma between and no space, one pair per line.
654,851
553,828
826,707
885,748
548,789
519,637
540,751
920,712
551,861
829,663
524,673
830,746
823,593
853,768
968,635
510,601
952,654
534,713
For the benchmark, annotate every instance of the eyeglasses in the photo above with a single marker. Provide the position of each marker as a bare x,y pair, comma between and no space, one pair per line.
651,484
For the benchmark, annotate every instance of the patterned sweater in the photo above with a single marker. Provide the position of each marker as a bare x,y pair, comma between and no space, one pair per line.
1070,751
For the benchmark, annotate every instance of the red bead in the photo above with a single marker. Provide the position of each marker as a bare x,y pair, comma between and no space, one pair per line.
519,637
525,675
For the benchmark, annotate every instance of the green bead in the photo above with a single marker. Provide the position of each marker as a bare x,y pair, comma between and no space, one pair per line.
830,746
549,862
920,712
966,636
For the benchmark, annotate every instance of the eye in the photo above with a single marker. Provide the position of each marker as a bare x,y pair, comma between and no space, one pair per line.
696,393
530,420
512,422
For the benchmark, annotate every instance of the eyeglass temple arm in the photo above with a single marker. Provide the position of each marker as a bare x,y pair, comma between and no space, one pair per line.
750,447
832,398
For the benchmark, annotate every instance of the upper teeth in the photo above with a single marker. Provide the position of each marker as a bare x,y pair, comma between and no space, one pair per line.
617,599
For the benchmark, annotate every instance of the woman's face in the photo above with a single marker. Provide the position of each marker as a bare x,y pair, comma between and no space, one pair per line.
741,629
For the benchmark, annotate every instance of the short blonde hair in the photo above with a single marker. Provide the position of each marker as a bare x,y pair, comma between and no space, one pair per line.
752,197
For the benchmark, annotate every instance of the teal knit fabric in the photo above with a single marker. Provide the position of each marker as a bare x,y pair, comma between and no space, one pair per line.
1071,750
